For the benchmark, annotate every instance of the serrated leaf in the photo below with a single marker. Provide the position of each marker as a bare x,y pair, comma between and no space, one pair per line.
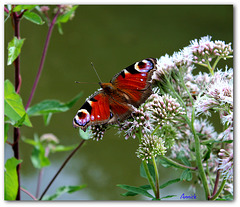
33,17
62,190
22,7
137,190
186,175
11,179
14,49
13,106
169,183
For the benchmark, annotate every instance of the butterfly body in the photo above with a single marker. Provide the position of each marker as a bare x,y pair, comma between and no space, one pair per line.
116,100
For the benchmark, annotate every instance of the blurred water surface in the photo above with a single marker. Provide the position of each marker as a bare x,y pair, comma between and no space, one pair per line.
113,37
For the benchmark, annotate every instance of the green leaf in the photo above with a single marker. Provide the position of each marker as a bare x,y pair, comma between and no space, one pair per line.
62,148
85,134
14,49
62,190
6,128
46,118
11,179
151,170
169,183
60,28
38,158
181,156
186,175
65,17
137,190
33,17
51,106
13,106
168,196
130,193
22,7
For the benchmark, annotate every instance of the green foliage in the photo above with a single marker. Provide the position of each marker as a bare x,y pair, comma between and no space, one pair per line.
38,158
33,17
186,175
47,107
62,190
23,7
133,191
136,190
11,179
65,17
13,106
14,49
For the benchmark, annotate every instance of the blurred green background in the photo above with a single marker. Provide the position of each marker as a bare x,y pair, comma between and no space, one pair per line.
112,37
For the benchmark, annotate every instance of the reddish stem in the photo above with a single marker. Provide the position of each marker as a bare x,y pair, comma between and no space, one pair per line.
42,59
6,10
16,131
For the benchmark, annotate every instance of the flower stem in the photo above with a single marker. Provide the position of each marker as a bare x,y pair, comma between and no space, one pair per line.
16,131
176,164
157,178
28,193
214,197
198,157
62,166
42,59
149,177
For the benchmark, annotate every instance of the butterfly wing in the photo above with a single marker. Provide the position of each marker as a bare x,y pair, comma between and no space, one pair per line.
134,82
95,111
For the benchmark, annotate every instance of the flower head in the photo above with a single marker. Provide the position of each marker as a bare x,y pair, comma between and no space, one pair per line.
97,132
164,109
150,147
137,123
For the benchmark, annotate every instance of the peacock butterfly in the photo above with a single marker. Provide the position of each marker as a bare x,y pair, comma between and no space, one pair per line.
115,101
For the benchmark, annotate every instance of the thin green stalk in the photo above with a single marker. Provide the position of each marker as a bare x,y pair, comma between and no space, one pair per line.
149,177
215,64
219,190
198,157
157,178
176,164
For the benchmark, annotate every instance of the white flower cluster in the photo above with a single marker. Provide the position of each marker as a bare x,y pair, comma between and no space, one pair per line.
150,147
205,50
218,95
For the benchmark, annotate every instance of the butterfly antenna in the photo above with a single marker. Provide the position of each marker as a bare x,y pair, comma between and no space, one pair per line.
86,82
96,72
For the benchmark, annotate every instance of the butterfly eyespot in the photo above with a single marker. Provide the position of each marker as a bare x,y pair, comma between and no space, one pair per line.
98,116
